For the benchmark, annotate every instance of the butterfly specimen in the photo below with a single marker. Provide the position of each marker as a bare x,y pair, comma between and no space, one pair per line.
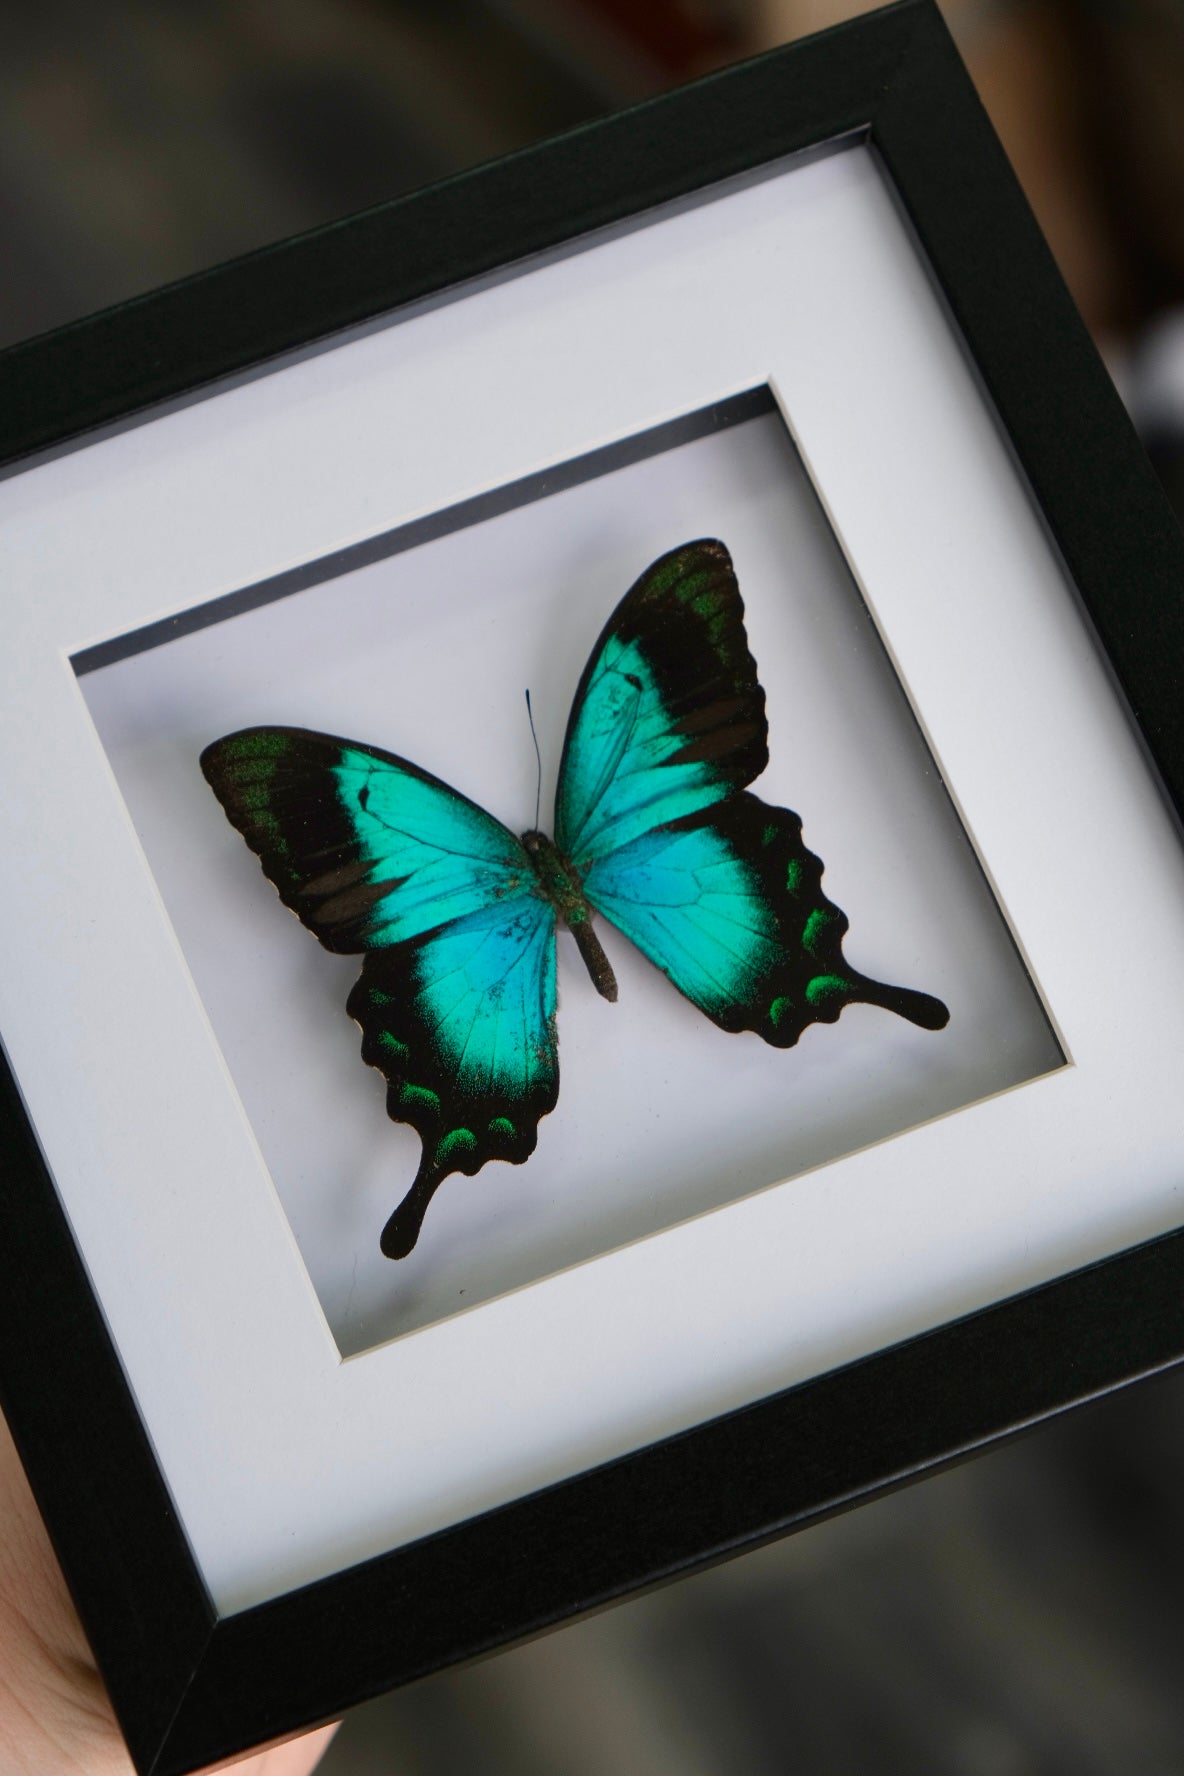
456,918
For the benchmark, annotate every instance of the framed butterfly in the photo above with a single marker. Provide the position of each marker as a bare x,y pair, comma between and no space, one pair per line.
456,917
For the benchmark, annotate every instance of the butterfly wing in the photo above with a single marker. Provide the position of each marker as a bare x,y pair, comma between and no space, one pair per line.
712,884
456,999
729,905
462,1024
669,717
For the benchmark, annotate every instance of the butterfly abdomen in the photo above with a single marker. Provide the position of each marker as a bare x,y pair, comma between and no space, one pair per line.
560,882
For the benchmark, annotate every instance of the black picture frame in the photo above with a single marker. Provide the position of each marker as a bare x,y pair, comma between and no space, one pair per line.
190,1687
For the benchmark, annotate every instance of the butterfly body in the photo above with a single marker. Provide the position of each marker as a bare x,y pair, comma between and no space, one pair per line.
456,917
560,883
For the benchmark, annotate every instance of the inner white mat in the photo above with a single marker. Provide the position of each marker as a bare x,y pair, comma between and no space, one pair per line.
661,1115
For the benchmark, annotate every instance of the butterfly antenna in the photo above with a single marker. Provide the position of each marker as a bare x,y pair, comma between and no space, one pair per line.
538,794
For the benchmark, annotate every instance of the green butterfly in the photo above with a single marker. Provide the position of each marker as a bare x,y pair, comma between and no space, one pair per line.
456,917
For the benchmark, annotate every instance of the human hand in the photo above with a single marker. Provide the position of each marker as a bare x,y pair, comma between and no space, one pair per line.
54,1712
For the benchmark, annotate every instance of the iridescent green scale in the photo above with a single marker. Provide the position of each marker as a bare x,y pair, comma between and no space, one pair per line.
456,917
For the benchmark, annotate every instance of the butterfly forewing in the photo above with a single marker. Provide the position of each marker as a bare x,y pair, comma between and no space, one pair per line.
669,716
366,848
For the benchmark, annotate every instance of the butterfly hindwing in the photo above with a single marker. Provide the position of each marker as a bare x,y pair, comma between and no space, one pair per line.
729,905
457,994
712,884
461,1022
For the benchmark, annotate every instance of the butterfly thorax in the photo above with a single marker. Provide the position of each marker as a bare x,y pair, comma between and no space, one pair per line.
560,882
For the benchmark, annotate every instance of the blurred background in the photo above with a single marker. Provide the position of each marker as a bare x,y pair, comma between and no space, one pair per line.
1020,1615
